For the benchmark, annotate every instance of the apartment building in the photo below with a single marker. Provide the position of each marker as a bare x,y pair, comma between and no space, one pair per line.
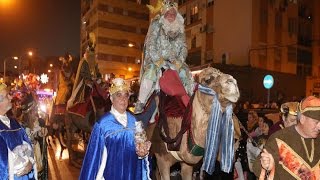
275,35
120,27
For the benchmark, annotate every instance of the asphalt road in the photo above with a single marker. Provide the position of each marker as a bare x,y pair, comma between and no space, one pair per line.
59,168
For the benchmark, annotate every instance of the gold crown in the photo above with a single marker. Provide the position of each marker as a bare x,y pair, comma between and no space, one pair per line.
118,84
162,6
290,107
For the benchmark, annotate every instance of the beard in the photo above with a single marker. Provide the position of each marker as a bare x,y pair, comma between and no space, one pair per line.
174,28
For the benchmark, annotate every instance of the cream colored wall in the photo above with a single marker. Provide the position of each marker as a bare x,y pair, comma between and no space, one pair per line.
232,30
286,39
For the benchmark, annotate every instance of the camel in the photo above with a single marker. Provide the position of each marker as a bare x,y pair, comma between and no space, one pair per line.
228,93
58,114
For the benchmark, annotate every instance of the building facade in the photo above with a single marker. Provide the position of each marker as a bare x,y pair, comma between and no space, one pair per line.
275,35
120,27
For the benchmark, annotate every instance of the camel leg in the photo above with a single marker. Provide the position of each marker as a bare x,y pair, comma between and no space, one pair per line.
157,174
164,162
68,124
186,171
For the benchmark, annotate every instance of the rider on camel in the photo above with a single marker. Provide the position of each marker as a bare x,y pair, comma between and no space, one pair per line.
82,88
165,48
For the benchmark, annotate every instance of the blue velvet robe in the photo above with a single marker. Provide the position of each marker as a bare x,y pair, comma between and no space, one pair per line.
122,160
9,139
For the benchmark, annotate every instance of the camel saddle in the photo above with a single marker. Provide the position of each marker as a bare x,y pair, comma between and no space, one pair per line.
174,102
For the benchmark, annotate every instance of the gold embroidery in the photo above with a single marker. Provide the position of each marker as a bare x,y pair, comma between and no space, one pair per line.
294,164
306,149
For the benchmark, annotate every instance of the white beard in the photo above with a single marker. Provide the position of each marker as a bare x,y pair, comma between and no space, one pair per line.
173,28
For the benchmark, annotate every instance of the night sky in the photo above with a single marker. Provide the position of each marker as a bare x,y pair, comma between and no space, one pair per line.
48,27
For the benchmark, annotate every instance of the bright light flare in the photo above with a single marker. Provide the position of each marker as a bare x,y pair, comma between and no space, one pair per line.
43,107
44,78
8,7
6,3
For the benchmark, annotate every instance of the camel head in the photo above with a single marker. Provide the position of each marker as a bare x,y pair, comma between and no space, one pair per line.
208,77
228,88
224,84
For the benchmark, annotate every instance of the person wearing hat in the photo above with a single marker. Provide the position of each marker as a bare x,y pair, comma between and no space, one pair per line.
288,113
79,102
112,151
293,152
16,154
164,48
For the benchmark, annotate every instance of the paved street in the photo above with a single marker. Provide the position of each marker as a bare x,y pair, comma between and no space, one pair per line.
59,169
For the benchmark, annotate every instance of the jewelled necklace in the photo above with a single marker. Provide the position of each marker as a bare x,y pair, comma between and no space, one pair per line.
306,149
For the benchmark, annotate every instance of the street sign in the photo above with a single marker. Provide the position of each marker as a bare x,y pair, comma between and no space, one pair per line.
268,81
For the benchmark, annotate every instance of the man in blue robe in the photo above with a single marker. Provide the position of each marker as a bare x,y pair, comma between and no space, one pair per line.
16,154
112,152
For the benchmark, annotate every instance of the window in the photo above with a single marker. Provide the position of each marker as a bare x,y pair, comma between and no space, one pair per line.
277,54
193,42
292,26
278,20
194,14
194,58
262,61
292,54
185,18
181,2
264,12
262,58
194,10
210,3
110,9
